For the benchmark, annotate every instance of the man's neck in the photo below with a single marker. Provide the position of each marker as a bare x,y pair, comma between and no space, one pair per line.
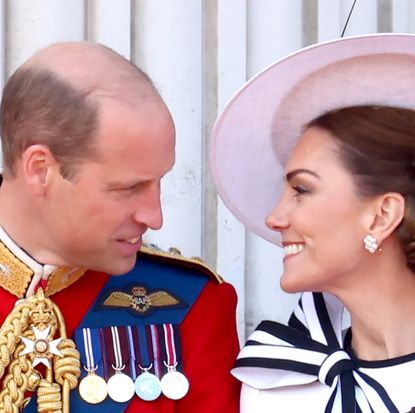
21,275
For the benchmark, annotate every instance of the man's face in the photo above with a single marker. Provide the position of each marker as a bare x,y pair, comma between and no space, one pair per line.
97,220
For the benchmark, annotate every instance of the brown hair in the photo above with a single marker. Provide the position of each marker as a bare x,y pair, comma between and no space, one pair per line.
40,105
39,108
377,145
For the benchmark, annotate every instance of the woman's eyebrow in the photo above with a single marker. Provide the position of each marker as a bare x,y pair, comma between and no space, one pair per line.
292,174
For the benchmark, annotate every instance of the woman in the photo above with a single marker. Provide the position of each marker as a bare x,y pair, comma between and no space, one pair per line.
324,143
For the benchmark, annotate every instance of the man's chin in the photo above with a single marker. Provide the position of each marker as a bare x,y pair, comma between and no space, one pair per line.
120,267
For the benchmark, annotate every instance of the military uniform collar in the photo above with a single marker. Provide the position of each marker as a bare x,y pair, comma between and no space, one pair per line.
20,274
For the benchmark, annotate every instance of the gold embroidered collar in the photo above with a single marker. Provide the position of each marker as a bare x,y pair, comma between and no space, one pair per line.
20,274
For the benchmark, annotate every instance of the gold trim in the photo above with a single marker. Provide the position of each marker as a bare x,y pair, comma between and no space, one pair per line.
15,275
174,254
62,278
33,316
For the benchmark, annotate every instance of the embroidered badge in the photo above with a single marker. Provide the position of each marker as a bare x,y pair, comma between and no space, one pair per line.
140,300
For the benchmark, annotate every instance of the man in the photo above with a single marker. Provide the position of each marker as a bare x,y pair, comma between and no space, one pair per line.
86,140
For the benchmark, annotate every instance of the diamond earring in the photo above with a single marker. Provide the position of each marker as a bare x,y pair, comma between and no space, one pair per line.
370,243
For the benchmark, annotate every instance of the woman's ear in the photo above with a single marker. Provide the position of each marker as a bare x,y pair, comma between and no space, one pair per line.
38,165
388,212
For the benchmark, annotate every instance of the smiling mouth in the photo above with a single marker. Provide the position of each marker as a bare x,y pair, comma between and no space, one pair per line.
132,241
293,249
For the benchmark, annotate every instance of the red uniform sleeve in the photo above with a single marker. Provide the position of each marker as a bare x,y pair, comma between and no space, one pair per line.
210,346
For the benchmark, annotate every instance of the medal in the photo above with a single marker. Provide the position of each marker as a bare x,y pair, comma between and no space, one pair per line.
120,387
93,388
147,386
174,384
27,338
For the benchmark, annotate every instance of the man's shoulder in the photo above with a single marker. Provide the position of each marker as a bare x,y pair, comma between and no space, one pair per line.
180,264
162,288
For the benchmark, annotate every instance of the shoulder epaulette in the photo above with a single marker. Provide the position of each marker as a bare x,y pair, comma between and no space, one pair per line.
174,256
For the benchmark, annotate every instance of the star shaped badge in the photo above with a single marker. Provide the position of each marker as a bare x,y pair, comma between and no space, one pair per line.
41,347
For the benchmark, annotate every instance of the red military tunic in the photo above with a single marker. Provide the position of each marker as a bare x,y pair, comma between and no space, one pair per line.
207,333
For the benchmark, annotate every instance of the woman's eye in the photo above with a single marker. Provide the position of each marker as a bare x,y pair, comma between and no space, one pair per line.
300,190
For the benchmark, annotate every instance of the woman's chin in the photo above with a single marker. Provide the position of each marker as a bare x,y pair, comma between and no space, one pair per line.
290,285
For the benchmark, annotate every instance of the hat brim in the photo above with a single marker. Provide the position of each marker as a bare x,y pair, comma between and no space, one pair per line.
259,127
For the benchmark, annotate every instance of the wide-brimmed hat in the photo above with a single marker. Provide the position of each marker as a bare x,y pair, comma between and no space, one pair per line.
256,132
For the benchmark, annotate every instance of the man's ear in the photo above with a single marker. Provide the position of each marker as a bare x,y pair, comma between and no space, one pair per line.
388,212
39,165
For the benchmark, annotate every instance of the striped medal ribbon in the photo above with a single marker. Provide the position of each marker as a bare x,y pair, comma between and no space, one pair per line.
92,388
120,386
174,384
146,384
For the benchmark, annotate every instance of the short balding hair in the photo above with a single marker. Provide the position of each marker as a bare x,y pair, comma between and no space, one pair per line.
41,107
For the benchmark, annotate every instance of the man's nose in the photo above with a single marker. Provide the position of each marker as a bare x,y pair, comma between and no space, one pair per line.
148,210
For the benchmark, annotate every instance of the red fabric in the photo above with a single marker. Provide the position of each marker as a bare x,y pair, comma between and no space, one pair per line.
76,300
209,344
73,302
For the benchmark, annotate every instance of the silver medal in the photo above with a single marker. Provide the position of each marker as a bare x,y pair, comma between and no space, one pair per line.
147,386
120,387
174,385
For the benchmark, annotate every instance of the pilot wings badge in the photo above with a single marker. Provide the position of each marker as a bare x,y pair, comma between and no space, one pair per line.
141,300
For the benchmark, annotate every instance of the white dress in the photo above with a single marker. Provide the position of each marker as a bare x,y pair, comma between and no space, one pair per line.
307,368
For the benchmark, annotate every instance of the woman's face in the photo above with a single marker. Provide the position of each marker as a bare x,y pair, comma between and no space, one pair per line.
320,217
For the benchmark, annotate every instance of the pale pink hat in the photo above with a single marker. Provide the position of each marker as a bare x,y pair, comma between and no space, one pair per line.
256,132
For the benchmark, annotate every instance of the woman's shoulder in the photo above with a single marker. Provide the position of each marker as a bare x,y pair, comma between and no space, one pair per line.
310,398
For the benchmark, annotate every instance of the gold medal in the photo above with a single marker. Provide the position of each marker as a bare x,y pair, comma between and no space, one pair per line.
93,388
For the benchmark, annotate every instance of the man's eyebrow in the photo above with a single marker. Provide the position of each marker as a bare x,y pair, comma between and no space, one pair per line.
292,174
139,181
122,184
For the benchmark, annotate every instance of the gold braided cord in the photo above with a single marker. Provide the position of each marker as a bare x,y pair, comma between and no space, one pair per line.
49,397
19,375
68,367
10,331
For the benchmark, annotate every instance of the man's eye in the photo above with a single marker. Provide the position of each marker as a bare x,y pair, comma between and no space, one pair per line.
131,188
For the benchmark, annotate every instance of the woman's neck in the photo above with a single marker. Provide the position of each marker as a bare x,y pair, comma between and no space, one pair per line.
382,310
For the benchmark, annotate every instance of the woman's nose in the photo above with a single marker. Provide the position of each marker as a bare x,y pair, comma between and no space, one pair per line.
278,219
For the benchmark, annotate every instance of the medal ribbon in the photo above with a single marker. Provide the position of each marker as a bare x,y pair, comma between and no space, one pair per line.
153,334
133,345
171,345
117,348
143,350
116,343
89,345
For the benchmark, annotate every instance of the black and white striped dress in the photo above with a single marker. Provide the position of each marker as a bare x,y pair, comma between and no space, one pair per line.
308,366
